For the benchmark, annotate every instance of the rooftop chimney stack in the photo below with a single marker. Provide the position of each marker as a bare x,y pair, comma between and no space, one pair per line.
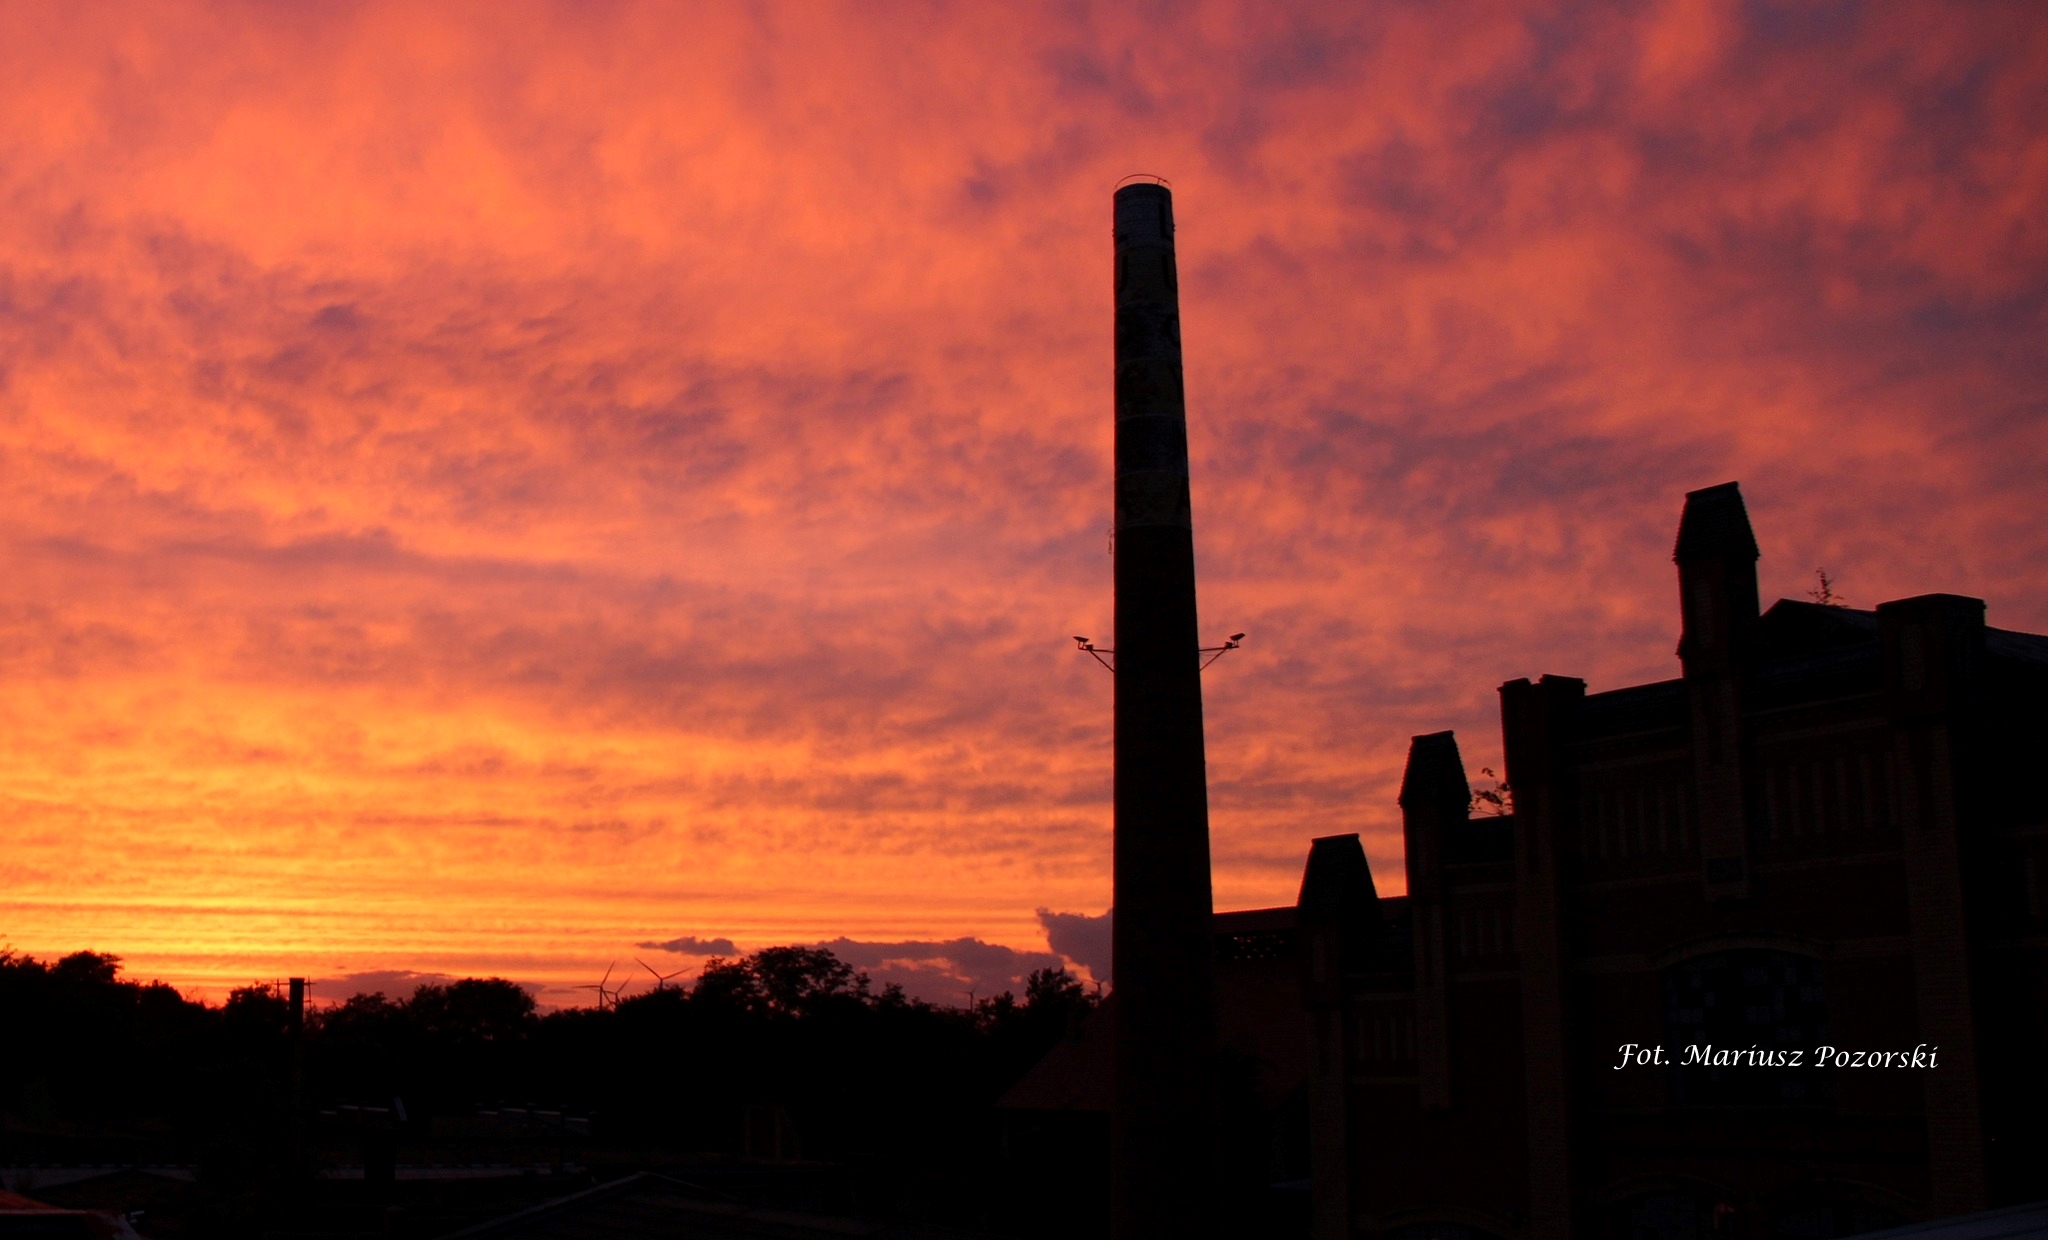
1163,1121
1716,556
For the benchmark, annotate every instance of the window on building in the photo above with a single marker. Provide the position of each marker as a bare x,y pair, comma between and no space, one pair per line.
1720,1008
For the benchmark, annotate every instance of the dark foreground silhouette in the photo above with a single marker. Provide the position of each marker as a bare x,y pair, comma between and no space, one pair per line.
784,1076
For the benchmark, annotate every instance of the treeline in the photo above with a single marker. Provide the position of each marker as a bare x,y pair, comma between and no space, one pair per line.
788,1044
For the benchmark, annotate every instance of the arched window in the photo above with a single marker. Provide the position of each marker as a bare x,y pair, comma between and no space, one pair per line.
1741,1001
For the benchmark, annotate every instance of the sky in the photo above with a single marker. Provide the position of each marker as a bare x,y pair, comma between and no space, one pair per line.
513,488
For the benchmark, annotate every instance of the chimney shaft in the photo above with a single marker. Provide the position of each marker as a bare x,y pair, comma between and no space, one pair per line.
1164,1119
1716,556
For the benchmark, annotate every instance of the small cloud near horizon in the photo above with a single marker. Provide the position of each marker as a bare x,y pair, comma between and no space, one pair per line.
955,971
691,945
949,971
1082,939
402,984
392,983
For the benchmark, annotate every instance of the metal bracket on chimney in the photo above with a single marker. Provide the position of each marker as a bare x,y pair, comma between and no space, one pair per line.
1217,652
1096,652
1213,652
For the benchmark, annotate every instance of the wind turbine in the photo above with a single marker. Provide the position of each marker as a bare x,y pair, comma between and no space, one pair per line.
660,979
607,996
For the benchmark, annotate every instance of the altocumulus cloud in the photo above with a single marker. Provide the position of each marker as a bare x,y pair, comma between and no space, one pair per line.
317,463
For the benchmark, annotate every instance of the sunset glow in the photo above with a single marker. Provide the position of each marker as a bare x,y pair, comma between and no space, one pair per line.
488,486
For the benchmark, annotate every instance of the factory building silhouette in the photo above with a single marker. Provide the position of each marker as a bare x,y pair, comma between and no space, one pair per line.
1827,833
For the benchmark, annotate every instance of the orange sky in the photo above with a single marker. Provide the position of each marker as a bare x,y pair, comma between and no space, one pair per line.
485,487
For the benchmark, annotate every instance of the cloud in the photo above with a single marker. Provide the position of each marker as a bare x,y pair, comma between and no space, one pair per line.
391,983
691,945
936,971
400,984
948,972
1083,940
465,497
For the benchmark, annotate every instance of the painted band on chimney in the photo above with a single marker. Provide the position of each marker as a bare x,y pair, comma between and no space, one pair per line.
1163,1118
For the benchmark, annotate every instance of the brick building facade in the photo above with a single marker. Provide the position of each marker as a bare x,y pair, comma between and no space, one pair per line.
1823,834
1827,832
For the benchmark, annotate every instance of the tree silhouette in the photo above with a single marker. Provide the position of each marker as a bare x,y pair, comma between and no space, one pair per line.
864,1077
1495,802
786,981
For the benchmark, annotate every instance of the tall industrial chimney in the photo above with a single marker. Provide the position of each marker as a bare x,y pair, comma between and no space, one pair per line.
1163,1122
